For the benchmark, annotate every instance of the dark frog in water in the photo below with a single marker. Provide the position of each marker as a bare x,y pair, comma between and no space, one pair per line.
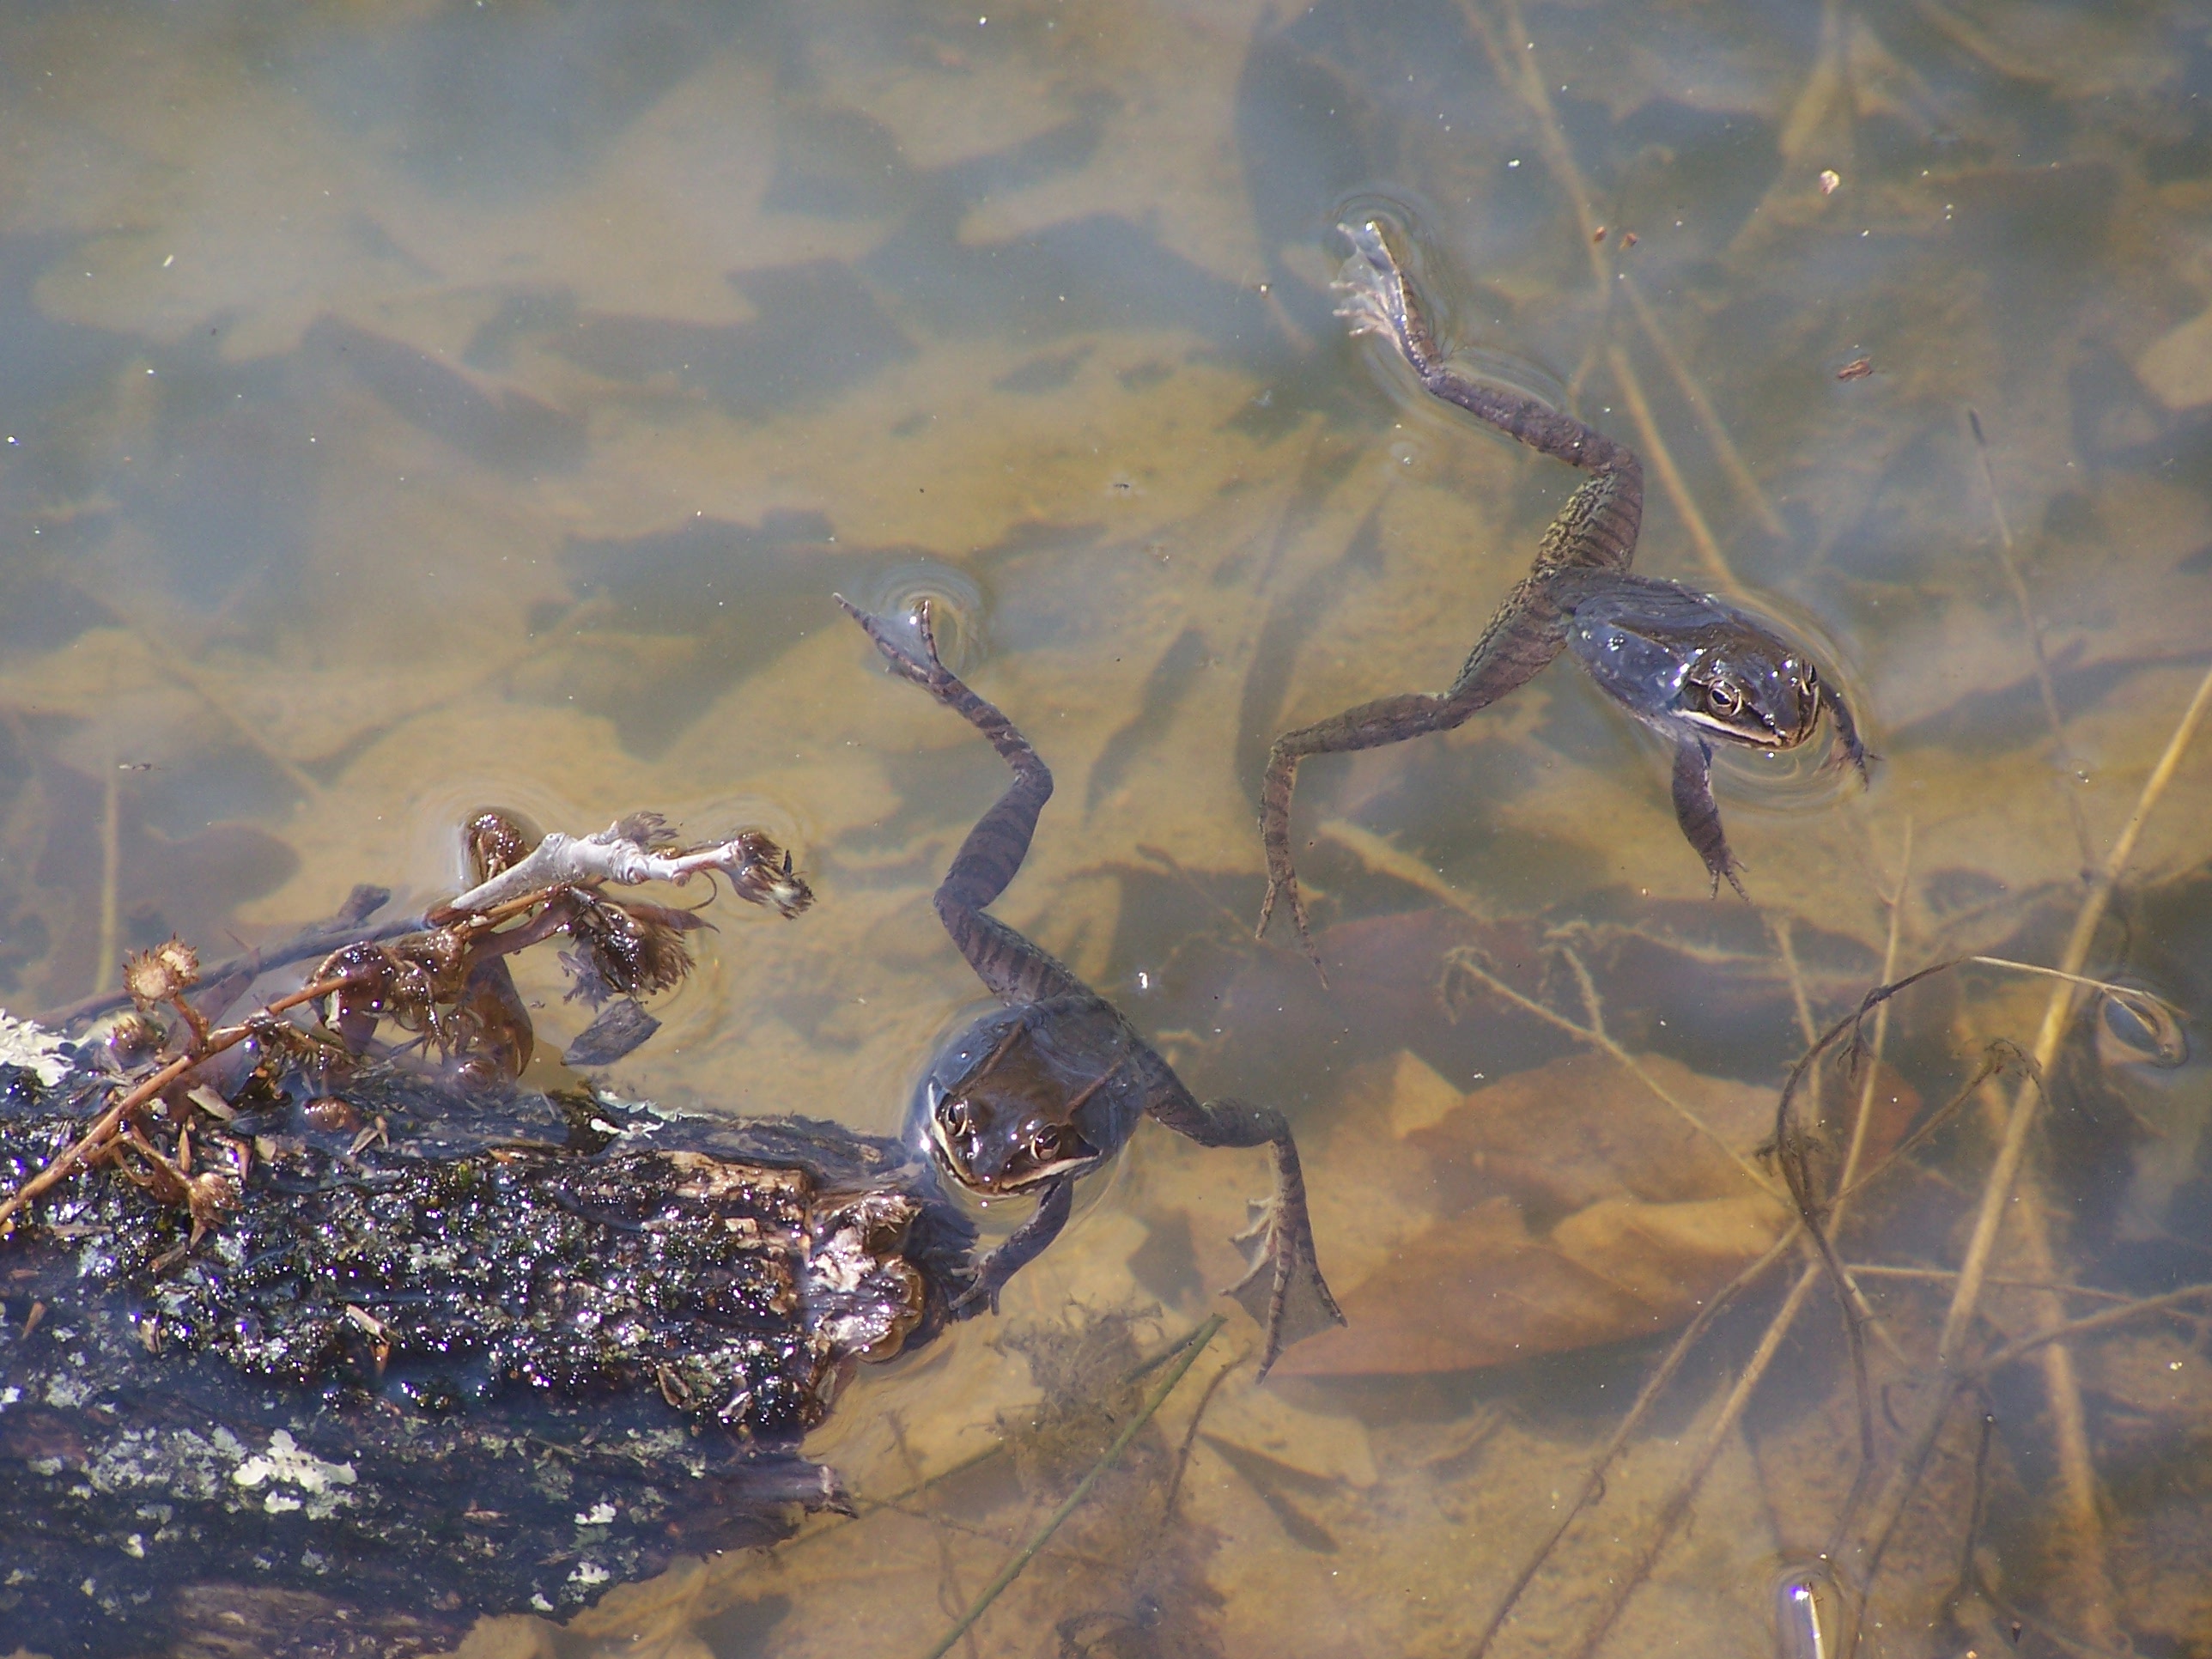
1691,667
1034,1094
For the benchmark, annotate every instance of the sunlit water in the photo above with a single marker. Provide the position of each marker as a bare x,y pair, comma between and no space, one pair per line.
413,408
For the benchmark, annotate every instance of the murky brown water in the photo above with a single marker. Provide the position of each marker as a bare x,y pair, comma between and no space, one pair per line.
411,408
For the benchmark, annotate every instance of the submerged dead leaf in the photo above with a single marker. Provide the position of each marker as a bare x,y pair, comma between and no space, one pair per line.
1576,1204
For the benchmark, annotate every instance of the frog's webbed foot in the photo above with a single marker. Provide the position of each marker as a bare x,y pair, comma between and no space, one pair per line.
1699,814
1283,1289
927,671
1376,299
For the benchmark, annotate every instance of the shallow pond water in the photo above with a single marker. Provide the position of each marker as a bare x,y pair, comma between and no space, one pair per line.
415,408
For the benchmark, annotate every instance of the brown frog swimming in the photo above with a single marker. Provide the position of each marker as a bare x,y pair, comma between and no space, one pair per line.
1033,1095
1687,665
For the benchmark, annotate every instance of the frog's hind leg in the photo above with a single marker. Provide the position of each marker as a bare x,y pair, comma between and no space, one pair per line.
1599,527
1528,630
1285,1290
1699,814
1015,970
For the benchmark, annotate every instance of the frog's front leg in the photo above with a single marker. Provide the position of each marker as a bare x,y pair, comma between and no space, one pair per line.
1023,1246
1285,1290
1699,813
1016,971
1850,748
1527,633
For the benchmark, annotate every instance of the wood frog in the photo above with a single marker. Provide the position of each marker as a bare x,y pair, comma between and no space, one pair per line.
1033,1095
1691,667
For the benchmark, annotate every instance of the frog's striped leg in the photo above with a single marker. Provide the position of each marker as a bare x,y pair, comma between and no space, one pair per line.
1015,970
1285,1290
1528,630
1598,528
1699,814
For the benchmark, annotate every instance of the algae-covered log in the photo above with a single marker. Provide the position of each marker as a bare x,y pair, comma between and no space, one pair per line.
442,1354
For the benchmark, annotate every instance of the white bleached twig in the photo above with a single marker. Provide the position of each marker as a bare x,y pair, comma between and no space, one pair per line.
756,867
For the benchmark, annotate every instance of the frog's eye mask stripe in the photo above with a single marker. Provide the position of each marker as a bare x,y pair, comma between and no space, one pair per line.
985,1152
1734,710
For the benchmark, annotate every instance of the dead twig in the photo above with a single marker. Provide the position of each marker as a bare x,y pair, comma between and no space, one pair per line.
2032,628
1593,1483
1520,71
96,1140
1107,1459
226,980
2081,1521
623,854
1460,961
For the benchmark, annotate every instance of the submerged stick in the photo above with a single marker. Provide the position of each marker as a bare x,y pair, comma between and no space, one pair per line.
1520,70
2031,627
1107,1459
1598,1039
1593,1486
2077,1477
1814,1222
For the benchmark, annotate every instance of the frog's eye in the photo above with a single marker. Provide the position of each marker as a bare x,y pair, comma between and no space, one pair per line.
1724,699
1044,1143
1812,678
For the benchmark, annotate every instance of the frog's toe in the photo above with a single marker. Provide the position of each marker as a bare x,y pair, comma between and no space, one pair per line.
1283,1289
980,1298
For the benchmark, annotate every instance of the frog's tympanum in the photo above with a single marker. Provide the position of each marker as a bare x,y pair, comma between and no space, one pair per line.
1692,667
1034,1094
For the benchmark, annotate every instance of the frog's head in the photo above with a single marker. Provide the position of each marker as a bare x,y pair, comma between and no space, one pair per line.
1752,688
1008,1124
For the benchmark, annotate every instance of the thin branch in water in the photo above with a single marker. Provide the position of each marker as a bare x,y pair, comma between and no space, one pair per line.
1386,857
1520,71
1107,1459
1653,442
225,981
1625,1582
1785,949
1693,393
2081,1518
2033,628
1998,1358
1593,1484
1950,1276
1458,961
756,867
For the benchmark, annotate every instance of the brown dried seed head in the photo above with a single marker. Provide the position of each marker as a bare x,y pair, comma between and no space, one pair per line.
181,960
208,1197
763,874
498,841
168,969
